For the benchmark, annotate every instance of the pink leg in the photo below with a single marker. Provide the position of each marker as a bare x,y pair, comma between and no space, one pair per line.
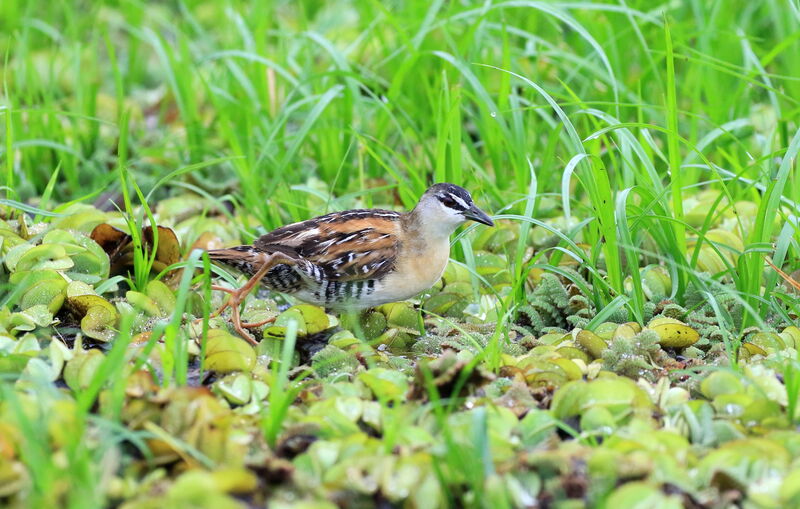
237,296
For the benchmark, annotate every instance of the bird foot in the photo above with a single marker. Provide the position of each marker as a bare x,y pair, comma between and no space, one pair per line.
236,319
237,296
252,325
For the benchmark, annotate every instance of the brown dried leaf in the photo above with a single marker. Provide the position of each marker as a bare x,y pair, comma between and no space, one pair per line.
119,247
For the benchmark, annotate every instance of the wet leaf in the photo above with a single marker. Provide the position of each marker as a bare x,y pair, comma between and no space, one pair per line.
42,257
226,353
619,395
624,331
540,370
373,323
606,330
401,316
569,367
13,364
385,384
571,352
656,282
791,336
80,370
236,388
393,339
28,319
332,360
675,335
143,303
45,287
162,296
91,263
80,217
744,460
446,303
767,341
747,350
197,489
598,418
112,240
310,320
720,382
98,322
8,238
593,343
98,316
642,495
235,480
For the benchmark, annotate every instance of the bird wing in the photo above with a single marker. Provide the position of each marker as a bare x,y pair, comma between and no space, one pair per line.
346,246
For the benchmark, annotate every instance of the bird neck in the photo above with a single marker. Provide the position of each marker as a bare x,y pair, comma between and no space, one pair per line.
422,234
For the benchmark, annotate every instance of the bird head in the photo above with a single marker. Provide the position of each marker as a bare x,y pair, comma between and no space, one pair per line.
449,206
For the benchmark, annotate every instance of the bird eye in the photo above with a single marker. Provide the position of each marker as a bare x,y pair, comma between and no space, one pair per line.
448,202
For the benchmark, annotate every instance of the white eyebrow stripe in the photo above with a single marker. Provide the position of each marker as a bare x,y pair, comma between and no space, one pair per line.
459,200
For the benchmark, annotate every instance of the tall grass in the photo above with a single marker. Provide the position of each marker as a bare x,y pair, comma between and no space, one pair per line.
406,95
617,113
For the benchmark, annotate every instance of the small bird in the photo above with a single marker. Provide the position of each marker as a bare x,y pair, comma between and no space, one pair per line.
355,259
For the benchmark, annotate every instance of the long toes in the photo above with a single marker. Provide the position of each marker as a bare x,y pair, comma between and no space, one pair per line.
223,289
251,325
228,303
216,312
244,334
236,297
236,320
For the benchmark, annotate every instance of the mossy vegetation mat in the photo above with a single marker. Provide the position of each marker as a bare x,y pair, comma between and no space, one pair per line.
625,336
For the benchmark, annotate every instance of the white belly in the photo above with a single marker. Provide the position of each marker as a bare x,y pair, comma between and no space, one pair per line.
418,271
384,291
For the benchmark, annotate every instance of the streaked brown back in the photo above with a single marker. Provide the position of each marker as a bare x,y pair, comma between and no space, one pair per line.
357,244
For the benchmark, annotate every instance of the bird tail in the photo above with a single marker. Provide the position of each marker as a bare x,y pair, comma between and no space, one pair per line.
243,258
249,259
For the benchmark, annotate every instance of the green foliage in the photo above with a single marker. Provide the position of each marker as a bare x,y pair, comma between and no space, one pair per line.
333,361
640,161
633,357
551,305
468,337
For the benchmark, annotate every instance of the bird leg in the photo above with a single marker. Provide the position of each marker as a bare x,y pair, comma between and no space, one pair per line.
252,325
789,279
237,296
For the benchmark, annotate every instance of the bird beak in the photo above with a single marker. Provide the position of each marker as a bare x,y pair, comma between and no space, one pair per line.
476,214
